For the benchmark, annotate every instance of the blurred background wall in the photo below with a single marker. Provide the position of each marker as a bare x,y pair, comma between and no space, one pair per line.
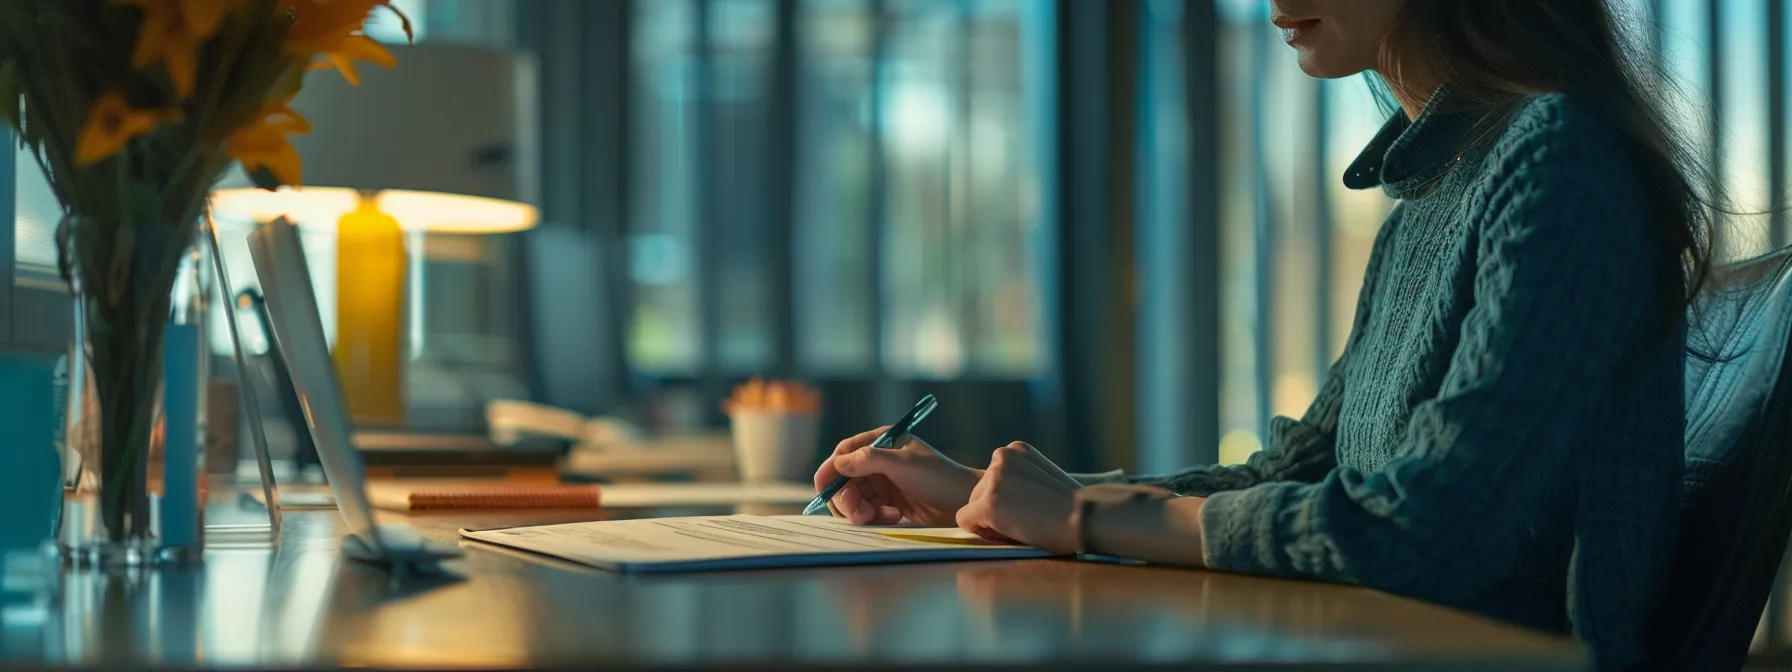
1114,229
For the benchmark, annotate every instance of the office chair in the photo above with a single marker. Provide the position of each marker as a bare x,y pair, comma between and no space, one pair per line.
1736,515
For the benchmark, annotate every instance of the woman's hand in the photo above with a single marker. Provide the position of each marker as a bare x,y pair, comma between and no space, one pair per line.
911,481
1024,498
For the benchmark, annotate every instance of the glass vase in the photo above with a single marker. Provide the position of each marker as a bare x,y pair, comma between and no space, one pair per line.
132,432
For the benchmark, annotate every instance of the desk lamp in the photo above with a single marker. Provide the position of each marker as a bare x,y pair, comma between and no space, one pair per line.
446,144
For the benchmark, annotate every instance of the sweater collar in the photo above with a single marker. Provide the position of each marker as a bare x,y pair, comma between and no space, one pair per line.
1408,154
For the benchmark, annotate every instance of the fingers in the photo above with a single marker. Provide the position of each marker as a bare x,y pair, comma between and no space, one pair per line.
861,463
1039,466
884,498
1050,469
1010,452
974,517
887,515
868,498
1008,466
978,515
1022,498
858,441
827,472
1014,460
868,501
977,518
1031,454
1020,450
852,504
874,499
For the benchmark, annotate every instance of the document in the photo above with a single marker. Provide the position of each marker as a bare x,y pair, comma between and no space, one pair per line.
707,543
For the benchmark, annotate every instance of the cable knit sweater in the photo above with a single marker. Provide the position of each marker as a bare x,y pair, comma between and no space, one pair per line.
1503,432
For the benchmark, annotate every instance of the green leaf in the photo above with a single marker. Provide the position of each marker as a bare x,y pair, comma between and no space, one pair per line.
263,178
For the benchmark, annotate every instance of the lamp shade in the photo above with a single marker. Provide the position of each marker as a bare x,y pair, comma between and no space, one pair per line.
448,139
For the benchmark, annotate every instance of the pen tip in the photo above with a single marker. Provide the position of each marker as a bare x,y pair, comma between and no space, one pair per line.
815,507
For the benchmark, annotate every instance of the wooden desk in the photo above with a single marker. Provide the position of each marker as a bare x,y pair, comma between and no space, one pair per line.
299,605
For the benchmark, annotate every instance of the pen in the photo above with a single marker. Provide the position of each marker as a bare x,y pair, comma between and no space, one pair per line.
887,439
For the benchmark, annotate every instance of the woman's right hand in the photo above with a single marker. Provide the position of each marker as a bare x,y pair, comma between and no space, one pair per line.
911,481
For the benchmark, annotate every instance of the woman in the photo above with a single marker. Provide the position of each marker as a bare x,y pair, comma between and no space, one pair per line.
1503,430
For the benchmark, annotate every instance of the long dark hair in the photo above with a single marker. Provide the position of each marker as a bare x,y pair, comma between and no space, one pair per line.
1492,53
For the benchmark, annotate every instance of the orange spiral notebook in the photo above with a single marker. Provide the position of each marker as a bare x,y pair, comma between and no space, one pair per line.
444,497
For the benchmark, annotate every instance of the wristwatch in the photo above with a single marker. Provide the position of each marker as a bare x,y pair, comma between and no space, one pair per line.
1091,499
1079,521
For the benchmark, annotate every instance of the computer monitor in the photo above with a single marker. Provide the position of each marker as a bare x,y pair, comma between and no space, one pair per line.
298,337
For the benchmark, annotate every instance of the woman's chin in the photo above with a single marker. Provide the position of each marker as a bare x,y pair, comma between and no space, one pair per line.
1317,66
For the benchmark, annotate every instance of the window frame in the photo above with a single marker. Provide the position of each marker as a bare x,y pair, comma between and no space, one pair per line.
35,308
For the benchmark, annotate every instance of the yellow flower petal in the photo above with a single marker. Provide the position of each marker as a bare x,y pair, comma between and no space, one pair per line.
316,21
112,124
358,47
278,158
264,144
159,17
332,30
204,17
183,69
172,32
280,117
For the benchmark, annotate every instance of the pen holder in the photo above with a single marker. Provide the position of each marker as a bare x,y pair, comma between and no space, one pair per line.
774,446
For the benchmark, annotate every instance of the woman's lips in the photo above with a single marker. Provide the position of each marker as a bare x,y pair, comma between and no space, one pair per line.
1293,30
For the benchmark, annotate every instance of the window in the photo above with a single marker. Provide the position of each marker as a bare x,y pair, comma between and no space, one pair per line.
1241,405
1294,240
699,244
958,252
1166,232
915,210
835,285
34,242
1726,102
664,333
1351,117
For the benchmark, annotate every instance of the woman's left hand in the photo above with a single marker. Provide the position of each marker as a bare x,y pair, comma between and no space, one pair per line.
1023,498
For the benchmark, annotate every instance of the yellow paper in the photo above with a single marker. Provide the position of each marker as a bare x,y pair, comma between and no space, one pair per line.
939,538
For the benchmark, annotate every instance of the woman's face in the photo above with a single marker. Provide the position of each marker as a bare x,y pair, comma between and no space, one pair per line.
1335,38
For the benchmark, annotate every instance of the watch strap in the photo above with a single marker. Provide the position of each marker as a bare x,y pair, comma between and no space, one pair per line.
1083,518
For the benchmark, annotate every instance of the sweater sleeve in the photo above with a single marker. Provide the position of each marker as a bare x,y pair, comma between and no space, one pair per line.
1564,273
1296,450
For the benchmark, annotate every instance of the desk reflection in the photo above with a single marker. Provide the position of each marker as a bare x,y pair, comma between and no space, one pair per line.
297,603
117,619
240,607
1167,612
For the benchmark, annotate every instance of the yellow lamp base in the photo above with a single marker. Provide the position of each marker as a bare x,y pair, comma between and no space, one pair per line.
371,270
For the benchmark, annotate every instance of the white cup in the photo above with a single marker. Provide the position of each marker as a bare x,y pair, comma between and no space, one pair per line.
775,446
